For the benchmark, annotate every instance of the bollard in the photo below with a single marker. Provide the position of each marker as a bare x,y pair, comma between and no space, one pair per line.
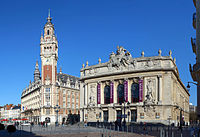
30,129
117,130
167,133
172,133
164,133
161,133
110,131
103,130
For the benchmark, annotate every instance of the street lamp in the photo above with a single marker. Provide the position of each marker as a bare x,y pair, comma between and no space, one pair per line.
188,86
57,108
125,112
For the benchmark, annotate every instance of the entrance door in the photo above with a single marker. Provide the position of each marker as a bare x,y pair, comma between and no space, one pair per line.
119,116
47,119
105,116
133,115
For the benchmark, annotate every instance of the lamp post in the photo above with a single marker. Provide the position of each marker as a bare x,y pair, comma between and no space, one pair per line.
198,87
57,108
188,86
124,112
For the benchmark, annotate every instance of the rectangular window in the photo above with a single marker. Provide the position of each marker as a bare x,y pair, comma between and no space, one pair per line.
64,98
47,111
47,97
64,104
134,115
77,101
68,104
47,90
72,105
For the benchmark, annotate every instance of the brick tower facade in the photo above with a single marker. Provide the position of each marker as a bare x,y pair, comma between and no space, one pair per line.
49,57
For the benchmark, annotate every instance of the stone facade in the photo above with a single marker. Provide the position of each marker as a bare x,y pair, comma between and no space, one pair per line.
10,112
40,98
150,87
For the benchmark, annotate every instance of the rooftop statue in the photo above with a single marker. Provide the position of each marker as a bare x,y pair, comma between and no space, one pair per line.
121,59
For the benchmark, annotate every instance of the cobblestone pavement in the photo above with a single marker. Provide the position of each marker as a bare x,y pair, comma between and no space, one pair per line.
67,131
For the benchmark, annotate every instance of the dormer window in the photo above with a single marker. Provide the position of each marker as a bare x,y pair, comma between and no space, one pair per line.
47,32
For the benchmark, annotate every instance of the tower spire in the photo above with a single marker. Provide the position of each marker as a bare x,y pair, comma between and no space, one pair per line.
49,17
36,72
49,13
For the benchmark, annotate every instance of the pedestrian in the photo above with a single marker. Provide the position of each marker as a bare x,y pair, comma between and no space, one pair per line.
98,123
85,123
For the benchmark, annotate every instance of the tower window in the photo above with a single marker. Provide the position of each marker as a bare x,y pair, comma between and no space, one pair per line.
47,32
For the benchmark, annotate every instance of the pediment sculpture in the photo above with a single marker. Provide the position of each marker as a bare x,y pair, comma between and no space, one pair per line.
122,59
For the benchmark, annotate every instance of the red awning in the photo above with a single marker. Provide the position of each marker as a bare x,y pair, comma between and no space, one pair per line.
14,119
24,119
4,120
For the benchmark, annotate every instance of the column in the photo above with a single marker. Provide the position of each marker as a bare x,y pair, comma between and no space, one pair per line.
115,91
86,93
159,96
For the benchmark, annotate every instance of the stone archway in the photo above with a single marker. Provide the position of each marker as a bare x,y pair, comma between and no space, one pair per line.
48,119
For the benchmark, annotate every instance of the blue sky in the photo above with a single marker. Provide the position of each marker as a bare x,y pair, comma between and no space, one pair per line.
87,30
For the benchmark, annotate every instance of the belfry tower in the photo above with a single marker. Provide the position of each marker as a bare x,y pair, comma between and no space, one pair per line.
49,57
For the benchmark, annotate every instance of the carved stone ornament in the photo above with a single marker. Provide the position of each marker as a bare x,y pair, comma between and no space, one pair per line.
151,63
122,59
92,96
149,101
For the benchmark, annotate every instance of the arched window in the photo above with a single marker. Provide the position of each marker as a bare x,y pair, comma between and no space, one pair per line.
120,93
48,119
135,92
107,95
47,32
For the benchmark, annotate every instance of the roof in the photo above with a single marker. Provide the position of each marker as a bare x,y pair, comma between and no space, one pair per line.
63,78
16,107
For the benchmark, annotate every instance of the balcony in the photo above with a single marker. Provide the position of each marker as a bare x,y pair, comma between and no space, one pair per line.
193,42
194,20
194,1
